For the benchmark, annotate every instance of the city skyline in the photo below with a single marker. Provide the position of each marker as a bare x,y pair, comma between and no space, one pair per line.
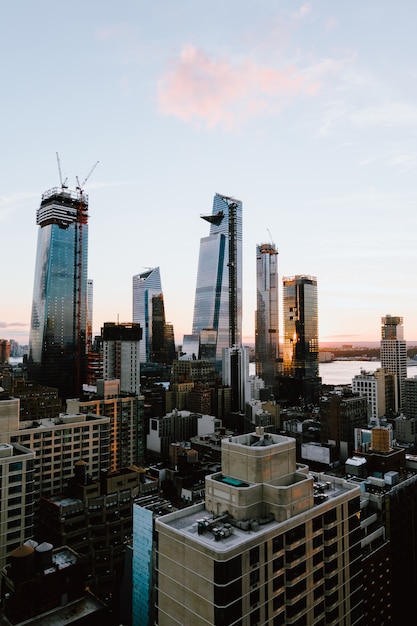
305,111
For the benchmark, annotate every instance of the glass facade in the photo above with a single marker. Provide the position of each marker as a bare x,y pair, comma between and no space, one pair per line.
212,299
266,319
57,341
301,340
146,287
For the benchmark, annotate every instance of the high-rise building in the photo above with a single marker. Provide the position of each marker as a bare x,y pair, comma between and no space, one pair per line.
301,338
57,340
121,359
394,352
218,297
147,296
126,428
300,380
16,497
235,374
90,291
377,387
266,317
410,397
272,544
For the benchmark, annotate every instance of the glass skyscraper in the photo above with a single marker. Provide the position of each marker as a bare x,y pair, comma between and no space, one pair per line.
147,294
57,340
218,303
266,318
301,339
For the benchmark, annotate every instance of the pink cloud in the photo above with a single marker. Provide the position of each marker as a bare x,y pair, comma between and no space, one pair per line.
304,10
215,93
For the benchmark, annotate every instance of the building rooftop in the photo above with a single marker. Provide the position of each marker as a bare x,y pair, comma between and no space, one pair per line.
222,533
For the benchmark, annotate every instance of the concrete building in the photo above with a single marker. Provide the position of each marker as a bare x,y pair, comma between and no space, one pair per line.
339,416
377,387
44,585
121,355
394,353
272,544
410,397
57,443
126,423
16,497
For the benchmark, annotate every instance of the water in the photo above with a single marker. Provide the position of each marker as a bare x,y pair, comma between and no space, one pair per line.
342,372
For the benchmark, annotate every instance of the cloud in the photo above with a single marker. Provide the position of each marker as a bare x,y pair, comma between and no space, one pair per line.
12,324
215,93
12,202
387,115
304,10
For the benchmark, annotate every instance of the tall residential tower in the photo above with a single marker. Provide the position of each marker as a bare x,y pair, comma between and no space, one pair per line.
218,298
266,317
57,341
394,352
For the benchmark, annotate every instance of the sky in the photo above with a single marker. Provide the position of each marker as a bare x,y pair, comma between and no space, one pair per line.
304,111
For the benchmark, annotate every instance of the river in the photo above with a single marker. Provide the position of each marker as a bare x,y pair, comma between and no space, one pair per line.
342,372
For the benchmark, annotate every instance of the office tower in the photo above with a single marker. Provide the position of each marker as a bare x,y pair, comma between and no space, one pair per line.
121,355
272,544
218,297
394,353
16,497
300,380
57,340
266,316
377,387
147,295
235,374
301,339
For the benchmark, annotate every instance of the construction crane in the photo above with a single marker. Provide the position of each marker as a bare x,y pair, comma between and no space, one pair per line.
63,185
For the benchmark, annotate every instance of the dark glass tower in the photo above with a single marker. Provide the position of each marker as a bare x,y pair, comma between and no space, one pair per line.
57,341
301,339
218,298
300,382
266,318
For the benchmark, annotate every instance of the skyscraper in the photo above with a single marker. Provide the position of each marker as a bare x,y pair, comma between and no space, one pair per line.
147,311
57,341
394,352
121,347
218,298
266,317
301,339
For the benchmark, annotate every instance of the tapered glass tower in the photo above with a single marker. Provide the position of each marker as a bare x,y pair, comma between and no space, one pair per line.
57,341
218,298
147,300
266,317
